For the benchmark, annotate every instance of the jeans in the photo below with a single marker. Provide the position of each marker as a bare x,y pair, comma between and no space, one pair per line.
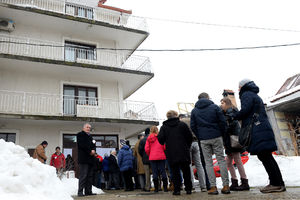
158,167
238,161
272,168
127,175
195,156
210,147
114,177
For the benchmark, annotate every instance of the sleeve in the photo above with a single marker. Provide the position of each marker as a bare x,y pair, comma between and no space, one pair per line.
141,148
194,125
120,158
135,150
222,122
41,152
188,135
161,136
52,161
246,107
147,148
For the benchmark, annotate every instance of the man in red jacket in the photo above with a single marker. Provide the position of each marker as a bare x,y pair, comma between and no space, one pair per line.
58,161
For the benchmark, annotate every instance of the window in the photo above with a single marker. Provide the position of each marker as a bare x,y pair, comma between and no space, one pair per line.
75,51
8,137
79,11
78,95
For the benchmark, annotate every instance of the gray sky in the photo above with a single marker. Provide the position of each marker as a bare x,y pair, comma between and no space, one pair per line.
181,76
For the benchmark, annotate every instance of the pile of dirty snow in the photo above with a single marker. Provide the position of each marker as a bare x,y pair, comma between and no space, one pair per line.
25,178
257,175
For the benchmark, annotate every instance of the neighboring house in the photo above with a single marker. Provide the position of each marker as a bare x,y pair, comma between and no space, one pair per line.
284,113
54,76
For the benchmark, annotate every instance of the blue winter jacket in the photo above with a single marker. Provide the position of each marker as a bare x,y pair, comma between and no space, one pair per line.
105,164
207,120
262,137
125,158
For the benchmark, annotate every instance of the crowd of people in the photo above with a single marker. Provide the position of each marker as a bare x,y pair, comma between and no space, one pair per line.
167,153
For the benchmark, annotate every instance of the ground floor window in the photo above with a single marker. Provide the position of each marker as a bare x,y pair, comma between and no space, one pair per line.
8,137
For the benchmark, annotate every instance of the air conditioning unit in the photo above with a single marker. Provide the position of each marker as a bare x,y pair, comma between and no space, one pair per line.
7,25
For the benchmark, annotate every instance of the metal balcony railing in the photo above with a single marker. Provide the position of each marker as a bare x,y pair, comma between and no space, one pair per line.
84,10
30,47
14,102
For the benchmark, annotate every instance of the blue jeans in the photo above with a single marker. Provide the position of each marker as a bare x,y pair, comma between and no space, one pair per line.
158,167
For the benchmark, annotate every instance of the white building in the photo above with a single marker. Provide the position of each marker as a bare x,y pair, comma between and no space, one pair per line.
63,63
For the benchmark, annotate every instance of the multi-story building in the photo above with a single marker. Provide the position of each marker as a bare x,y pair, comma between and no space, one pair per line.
67,62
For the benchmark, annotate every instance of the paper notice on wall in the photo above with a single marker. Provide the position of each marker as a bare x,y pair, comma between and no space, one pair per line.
103,151
98,144
67,152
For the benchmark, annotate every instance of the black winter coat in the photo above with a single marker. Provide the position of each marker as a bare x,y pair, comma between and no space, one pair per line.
85,146
262,136
113,164
178,139
207,120
233,128
145,157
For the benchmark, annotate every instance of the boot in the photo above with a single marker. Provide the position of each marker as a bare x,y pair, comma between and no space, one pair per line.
213,190
171,186
155,181
244,185
234,184
225,190
165,184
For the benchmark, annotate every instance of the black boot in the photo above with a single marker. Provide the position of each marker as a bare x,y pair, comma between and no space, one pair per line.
155,181
234,184
244,185
165,184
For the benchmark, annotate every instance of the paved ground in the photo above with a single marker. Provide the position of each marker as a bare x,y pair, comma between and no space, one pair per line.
254,193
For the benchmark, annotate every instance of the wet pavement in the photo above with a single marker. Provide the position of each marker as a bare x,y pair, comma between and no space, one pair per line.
254,193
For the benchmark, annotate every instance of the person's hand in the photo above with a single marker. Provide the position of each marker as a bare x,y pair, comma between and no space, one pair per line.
92,152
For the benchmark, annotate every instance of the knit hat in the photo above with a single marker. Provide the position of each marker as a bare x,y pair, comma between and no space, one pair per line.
244,82
123,142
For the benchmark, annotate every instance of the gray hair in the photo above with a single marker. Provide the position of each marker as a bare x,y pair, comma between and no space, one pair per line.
86,124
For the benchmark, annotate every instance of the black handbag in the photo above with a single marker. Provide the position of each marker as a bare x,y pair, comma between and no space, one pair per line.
245,134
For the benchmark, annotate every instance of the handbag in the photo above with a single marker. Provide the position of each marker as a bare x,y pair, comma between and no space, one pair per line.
234,142
245,135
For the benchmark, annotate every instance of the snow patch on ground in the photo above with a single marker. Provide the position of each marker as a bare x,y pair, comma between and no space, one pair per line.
255,171
25,178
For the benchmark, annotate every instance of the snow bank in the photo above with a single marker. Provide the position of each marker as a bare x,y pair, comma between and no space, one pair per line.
25,178
289,166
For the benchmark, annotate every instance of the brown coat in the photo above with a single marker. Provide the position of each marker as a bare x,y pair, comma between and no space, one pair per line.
39,153
140,165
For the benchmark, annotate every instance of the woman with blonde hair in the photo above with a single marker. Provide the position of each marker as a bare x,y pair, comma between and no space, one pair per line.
157,158
233,153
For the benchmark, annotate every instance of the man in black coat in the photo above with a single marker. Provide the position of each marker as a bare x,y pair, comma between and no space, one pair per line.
145,159
177,137
86,150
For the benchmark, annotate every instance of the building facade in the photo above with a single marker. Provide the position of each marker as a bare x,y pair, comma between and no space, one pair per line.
67,62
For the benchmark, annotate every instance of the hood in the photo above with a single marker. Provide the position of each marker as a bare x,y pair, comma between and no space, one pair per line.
251,86
202,103
152,137
125,147
171,122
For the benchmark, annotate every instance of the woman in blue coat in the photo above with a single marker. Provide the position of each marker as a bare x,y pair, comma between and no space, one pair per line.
262,137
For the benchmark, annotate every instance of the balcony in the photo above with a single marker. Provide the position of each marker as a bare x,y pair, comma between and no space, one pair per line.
27,103
21,46
82,10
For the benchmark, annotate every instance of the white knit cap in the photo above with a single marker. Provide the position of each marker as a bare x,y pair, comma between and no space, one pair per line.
244,82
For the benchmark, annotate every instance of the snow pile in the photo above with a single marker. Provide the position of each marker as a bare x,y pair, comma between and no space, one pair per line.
25,178
257,175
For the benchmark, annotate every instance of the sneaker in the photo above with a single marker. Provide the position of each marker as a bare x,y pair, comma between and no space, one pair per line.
225,189
203,190
272,188
213,190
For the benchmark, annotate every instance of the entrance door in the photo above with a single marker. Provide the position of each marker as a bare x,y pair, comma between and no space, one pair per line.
70,148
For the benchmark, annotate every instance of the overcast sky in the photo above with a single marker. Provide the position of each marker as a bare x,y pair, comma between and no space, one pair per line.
181,76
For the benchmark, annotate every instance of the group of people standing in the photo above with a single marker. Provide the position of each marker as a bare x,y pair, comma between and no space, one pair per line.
176,145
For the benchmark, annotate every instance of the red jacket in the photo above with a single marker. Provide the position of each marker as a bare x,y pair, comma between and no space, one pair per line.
100,158
154,149
58,161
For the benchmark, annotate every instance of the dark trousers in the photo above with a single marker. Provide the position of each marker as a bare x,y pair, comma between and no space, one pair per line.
158,167
185,168
85,178
127,175
114,177
271,167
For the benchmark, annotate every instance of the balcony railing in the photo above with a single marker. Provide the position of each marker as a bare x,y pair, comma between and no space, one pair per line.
57,51
13,102
83,10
